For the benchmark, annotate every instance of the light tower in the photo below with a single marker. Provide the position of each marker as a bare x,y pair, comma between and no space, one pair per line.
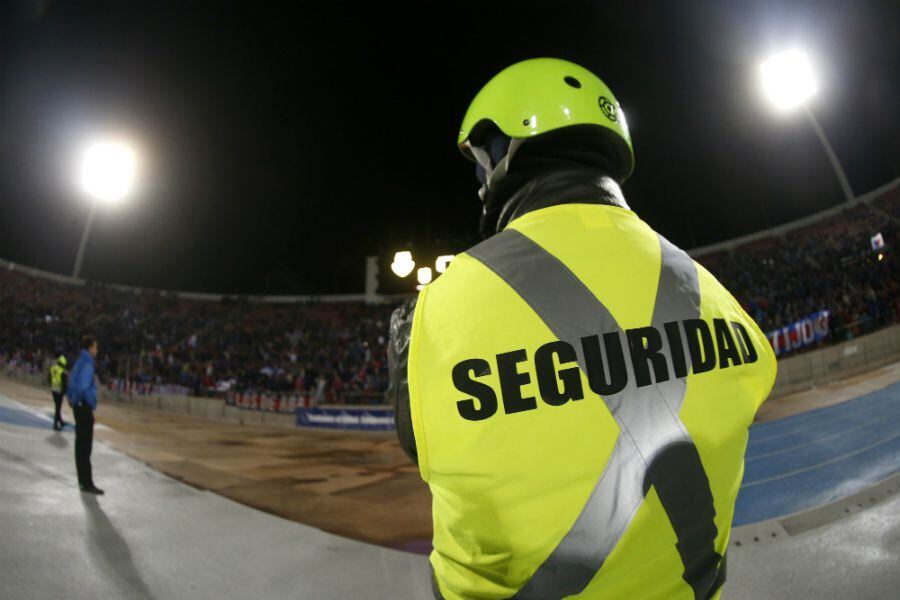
788,82
106,175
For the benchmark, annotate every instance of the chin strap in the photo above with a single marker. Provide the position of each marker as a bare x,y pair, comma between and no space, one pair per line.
484,161
494,172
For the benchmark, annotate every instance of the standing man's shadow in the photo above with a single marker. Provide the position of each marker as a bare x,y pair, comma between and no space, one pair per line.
106,544
57,440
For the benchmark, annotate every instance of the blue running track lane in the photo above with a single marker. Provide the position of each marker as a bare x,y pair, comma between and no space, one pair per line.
813,458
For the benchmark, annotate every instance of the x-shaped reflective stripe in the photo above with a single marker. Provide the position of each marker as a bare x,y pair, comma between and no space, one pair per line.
647,417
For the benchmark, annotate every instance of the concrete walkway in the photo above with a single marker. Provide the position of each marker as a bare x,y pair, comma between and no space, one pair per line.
855,558
358,485
153,537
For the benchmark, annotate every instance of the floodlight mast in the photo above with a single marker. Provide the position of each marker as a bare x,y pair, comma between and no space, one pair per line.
832,157
79,258
788,81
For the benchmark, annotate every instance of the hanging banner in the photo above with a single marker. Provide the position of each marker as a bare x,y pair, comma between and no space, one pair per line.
130,387
800,334
269,402
346,418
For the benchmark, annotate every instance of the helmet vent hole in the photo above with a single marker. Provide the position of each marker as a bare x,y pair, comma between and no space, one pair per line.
526,122
572,82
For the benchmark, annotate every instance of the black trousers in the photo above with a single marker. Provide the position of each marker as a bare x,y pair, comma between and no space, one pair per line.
84,442
57,402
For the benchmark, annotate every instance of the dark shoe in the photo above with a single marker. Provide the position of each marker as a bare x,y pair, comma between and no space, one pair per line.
57,427
91,489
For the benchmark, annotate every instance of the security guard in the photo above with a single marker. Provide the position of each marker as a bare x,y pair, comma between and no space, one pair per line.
575,389
58,381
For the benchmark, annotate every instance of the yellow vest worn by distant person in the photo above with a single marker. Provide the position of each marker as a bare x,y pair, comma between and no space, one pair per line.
56,374
580,393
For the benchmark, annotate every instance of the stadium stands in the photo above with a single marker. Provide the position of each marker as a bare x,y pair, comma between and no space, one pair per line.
335,352
332,352
828,265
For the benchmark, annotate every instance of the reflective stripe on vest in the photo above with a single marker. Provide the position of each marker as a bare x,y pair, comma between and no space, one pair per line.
653,446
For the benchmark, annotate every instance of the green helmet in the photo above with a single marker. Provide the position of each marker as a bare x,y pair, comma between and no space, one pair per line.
546,94
62,361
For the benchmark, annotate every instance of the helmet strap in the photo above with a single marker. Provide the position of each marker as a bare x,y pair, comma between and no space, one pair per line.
482,157
502,167
494,172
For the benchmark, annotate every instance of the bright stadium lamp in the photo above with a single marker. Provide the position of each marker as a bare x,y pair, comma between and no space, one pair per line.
107,173
424,275
788,82
108,170
442,262
787,79
403,264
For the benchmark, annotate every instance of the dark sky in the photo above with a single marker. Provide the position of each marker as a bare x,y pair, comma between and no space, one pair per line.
283,144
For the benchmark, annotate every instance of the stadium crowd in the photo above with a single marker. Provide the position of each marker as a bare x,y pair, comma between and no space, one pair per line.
328,351
336,352
828,265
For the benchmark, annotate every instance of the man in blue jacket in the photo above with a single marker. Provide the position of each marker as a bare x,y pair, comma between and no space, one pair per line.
82,394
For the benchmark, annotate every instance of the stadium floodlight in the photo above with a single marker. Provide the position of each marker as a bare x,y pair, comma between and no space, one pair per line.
108,170
788,82
403,263
442,262
424,275
787,79
107,173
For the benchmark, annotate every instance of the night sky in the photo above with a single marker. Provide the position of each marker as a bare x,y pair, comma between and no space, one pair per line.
281,145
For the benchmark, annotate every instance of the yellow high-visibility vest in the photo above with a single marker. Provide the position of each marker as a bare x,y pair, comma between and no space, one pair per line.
56,375
581,392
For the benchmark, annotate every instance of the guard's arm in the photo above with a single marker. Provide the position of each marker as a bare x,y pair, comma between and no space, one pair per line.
398,390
